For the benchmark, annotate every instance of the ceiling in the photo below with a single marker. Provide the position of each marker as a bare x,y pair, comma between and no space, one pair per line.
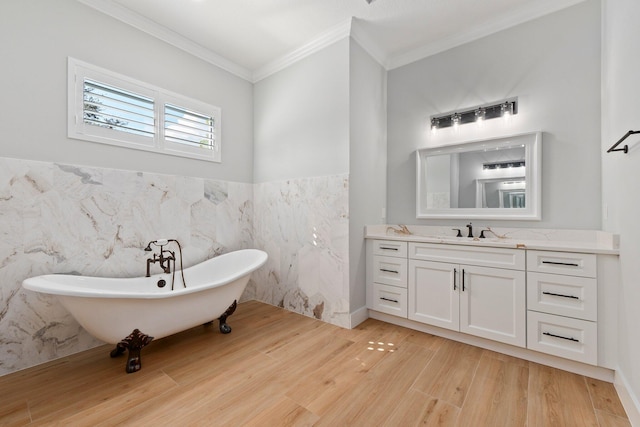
252,37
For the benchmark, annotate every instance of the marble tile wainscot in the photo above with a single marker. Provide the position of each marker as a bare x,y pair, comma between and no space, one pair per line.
57,218
570,277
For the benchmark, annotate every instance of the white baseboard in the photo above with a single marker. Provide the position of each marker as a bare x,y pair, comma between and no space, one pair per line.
628,398
358,316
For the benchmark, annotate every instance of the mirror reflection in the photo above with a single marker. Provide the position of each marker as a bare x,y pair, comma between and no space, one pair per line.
501,193
487,178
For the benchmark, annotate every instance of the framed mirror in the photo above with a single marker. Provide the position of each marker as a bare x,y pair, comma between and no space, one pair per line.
497,178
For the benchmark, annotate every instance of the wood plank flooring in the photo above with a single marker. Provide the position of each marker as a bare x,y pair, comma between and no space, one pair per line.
278,368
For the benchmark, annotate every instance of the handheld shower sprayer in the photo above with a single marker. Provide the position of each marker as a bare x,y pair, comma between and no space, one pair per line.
158,242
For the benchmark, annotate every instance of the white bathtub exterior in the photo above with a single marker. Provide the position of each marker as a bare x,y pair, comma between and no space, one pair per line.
110,309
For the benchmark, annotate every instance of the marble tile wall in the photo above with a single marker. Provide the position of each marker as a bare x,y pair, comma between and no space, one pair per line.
303,225
58,218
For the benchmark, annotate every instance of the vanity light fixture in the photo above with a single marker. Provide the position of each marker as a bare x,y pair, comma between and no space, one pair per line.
503,165
479,114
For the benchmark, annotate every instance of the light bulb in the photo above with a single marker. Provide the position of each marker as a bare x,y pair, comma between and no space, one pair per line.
455,119
435,123
507,110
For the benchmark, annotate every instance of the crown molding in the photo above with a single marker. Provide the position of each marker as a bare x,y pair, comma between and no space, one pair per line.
350,27
148,26
323,40
533,11
362,37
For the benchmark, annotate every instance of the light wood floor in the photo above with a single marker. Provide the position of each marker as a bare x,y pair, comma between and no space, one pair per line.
278,368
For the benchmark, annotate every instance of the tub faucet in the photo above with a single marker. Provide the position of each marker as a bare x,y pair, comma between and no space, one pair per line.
164,257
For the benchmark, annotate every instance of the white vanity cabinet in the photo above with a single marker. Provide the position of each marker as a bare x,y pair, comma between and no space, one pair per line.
562,304
478,291
549,301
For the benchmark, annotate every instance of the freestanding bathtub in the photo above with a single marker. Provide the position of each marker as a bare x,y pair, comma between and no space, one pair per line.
131,312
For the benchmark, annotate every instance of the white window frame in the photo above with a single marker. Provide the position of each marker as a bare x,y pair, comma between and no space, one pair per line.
78,71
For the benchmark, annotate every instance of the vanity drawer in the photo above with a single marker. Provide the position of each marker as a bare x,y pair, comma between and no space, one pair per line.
389,299
390,270
564,295
513,259
570,263
390,248
563,336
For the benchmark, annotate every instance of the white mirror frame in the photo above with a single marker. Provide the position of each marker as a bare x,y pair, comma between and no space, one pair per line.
532,143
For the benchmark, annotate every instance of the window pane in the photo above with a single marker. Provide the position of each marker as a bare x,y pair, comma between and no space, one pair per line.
188,127
114,108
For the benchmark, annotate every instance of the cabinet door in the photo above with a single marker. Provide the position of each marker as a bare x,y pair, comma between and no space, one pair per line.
493,304
432,297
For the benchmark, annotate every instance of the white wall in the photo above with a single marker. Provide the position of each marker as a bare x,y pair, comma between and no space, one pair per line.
301,166
367,160
301,118
552,64
621,174
39,35
324,116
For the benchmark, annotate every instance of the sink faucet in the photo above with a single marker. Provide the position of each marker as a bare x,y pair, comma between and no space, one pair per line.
470,227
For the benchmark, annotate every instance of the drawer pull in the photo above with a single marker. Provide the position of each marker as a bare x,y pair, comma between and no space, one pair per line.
560,336
463,289
560,295
389,271
455,273
385,248
389,299
568,264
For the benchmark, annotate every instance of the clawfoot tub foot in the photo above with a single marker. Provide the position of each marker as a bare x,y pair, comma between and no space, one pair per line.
224,328
134,343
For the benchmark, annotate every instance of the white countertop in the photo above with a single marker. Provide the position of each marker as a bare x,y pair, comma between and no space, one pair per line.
585,241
